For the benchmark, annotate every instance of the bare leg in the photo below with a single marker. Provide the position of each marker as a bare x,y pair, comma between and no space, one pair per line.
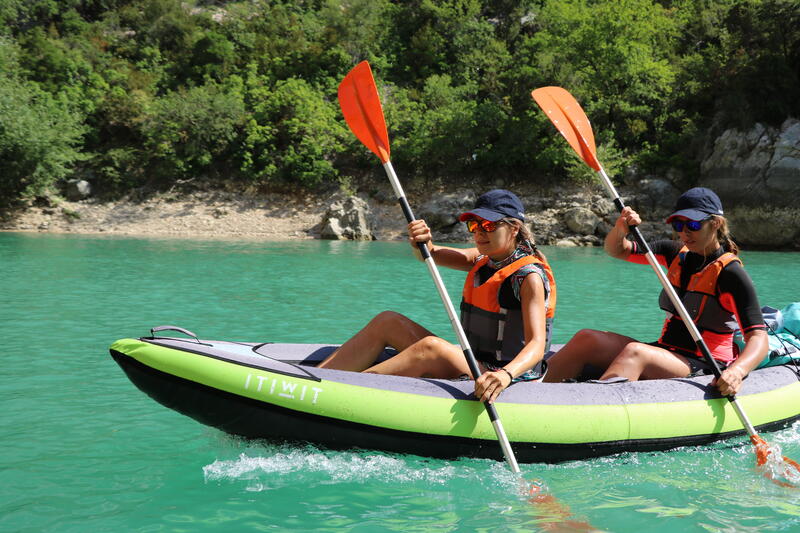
587,347
429,357
642,361
386,329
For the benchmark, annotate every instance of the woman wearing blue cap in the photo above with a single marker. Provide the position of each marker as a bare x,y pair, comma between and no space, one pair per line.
506,312
709,278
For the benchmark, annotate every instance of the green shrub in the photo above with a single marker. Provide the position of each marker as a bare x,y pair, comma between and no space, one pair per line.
192,132
612,160
171,89
615,58
118,170
294,134
39,137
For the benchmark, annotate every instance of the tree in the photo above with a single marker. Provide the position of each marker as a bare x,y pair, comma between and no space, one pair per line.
616,59
39,136
193,132
294,133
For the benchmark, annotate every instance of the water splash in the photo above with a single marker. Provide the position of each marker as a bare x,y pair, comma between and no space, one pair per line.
322,466
773,464
714,485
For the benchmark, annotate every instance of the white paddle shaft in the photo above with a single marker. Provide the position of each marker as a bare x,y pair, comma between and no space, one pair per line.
455,322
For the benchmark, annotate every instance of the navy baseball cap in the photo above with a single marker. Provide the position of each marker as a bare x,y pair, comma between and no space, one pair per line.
495,205
697,204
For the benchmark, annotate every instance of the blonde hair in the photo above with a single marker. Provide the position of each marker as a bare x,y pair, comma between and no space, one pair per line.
724,235
524,235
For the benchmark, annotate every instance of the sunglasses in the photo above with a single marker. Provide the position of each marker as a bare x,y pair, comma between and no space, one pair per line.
691,225
483,225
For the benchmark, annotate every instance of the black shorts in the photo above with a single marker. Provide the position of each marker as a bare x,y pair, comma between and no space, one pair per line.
698,366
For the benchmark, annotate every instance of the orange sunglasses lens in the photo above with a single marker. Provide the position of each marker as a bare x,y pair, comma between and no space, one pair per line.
483,225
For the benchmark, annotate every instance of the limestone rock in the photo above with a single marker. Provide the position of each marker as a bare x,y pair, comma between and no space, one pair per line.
658,192
783,173
441,213
457,233
76,190
566,243
581,220
603,228
757,167
347,218
604,207
748,227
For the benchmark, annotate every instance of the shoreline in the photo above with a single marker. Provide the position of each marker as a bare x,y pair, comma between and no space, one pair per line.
206,215
288,216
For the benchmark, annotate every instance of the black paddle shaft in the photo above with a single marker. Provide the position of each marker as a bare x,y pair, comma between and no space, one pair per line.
423,248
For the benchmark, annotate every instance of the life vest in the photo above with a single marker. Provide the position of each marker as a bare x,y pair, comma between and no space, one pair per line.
715,322
496,333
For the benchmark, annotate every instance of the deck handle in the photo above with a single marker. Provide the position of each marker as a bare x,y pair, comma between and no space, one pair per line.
173,328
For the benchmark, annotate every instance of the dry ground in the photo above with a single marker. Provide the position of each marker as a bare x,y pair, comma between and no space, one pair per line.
199,214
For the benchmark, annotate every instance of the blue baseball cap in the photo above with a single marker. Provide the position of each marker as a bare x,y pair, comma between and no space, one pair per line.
496,205
697,204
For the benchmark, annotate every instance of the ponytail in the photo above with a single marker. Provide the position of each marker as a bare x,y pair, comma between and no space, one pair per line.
525,236
724,235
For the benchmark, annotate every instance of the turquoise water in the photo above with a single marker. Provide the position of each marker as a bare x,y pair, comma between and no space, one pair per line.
84,450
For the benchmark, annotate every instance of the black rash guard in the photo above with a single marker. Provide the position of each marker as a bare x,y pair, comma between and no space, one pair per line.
734,286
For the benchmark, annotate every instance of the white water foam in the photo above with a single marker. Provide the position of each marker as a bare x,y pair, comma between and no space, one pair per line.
790,435
336,467
266,469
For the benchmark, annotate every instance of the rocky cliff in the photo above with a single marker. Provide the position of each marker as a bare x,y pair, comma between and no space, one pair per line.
757,175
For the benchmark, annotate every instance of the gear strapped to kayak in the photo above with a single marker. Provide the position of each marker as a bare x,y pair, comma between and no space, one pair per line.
783,334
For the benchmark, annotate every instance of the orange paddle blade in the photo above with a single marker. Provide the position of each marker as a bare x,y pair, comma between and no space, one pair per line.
361,107
778,468
570,120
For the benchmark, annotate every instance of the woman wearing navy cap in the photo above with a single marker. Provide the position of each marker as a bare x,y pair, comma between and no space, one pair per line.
709,278
506,313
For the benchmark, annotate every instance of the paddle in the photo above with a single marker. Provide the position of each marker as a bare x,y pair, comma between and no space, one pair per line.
570,120
361,107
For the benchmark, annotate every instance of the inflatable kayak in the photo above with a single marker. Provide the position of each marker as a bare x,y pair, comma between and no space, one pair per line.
273,391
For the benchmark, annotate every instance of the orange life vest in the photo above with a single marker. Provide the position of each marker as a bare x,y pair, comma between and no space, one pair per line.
496,333
715,322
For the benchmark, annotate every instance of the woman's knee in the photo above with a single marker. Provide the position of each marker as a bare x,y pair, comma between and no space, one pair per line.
387,317
431,347
591,340
588,335
435,356
391,321
633,351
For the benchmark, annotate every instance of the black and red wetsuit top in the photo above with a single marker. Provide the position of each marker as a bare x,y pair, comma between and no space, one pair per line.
716,291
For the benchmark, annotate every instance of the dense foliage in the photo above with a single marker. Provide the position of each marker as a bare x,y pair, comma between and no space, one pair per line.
142,93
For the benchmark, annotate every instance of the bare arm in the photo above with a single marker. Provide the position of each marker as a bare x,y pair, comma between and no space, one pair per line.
755,349
616,245
491,384
457,258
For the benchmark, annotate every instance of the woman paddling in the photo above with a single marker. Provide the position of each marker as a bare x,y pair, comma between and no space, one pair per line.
506,312
709,278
